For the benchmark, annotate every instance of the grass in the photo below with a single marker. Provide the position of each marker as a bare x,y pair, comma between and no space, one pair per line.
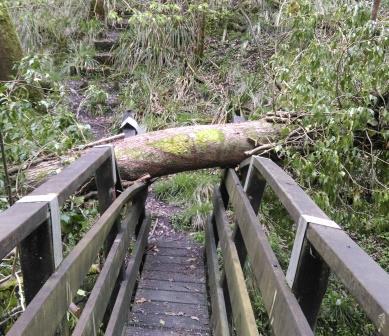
192,191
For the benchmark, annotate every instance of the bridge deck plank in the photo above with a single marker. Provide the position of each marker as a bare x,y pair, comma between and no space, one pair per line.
172,297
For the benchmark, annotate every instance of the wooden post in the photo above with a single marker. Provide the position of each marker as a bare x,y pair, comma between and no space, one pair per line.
106,195
37,259
310,283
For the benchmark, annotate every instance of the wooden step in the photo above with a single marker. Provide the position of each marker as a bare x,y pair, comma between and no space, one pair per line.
105,58
99,70
105,44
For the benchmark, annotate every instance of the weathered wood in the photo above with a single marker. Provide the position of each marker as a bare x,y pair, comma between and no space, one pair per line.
284,311
177,286
106,195
244,319
195,271
172,296
47,308
172,309
172,292
294,199
17,222
100,296
120,310
71,178
310,282
171,252
191,324
139,331
37,259
219,315
361,275
169,276
20,220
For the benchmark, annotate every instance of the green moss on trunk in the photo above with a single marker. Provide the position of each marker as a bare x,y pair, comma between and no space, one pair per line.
10,48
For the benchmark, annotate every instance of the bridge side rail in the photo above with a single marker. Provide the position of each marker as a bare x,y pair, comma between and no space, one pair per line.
248,238
320,247
33,222
48,308
50,283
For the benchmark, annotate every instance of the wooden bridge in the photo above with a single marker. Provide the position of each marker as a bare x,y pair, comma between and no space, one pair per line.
170,287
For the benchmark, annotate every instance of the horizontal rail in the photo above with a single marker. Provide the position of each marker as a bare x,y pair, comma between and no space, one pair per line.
285,314
360,274
48,307
20,220
294,199
241,305
119,315
219,314
97,303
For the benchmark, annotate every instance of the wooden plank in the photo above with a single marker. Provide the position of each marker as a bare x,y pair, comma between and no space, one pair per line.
175,244
285,314
20,220
69,180
171,296
172,286
361,275
120,310
97,303
140,331
47,308
240,302
163,260
169,276
193,270
311,278
171,252
294,199
190,323
219,315
171,309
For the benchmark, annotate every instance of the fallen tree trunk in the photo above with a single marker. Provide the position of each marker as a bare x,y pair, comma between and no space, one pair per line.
175,150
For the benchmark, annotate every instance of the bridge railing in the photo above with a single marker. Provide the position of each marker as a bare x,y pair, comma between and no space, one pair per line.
292,300
51,282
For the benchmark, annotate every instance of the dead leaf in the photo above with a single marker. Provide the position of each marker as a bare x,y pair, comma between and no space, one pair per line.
142,300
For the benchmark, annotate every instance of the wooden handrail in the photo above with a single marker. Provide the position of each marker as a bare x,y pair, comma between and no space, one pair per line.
326,248
45,312
20,220
281,305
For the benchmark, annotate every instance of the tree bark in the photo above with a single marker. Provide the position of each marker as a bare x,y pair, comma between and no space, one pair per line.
10,47
175,150
374,12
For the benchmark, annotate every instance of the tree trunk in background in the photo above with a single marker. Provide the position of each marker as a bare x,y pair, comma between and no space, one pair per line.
97,10
10,48
374,12
177,149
